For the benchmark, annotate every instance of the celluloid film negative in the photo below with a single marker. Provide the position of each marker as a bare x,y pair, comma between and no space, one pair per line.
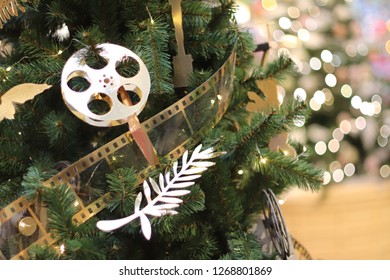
172,131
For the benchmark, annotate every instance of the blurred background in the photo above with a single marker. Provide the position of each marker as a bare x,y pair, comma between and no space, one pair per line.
342,51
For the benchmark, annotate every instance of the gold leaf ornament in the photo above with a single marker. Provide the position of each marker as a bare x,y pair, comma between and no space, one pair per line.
18,95
271,102
9,8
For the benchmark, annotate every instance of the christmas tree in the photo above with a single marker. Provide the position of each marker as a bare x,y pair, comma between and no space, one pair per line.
60,175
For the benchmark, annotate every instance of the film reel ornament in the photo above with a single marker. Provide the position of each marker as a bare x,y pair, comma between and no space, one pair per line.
103,97
105,85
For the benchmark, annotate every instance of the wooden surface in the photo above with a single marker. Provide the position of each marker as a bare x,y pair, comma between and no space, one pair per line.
350,220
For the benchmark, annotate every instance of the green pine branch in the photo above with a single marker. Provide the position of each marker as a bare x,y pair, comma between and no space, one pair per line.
287,170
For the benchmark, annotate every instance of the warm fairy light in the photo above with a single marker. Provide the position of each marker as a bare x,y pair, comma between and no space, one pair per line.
329,99
349,169
286,153
304,34
351,50
338,134
8,68
320,148
314,11
328,68
281,201
376,98
278,35
367,108
345,127
299,121
377,107
263,160
76,203
333,146
346,91
327,177
360,123
319,97
291,41
20,133
331,80
296,25
212,101
314,105
326,56
285,23
293,12
382,142
311,24
59,52
338,175
362,49
315,63
356,102
385,131
243,13
219,97
240,172
387,46
384,171
269,5
334,165
336,61
62,248
300,94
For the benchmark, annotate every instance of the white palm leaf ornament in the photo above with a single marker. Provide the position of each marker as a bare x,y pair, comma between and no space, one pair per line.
167,191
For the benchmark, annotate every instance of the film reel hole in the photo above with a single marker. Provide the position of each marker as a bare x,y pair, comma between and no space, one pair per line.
78,81
129,95
128,67
100,104
95,61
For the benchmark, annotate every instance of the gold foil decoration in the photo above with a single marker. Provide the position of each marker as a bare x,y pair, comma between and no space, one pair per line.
182,62
19,94
271,102
9,8
27,226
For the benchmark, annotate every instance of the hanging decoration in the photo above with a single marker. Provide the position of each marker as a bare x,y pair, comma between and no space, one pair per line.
182,62
167,191
18,95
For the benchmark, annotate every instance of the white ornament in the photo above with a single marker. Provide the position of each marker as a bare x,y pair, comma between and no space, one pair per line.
167,191
105,85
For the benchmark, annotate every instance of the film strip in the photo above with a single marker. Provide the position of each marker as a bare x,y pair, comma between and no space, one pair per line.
172,131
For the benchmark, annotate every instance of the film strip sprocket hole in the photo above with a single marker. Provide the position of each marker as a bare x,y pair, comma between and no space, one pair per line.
172,131
274,223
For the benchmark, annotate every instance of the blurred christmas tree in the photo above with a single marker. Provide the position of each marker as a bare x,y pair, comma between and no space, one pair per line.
342,52
44,136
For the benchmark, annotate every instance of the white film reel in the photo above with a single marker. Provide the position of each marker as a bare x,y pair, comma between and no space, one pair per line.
104,95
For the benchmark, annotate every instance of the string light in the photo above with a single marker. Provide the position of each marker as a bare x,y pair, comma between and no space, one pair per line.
315,63
346,91
326,56
240,172
62,249
327,178
349,169
263,160
384,171
330,80
338,175
320,148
